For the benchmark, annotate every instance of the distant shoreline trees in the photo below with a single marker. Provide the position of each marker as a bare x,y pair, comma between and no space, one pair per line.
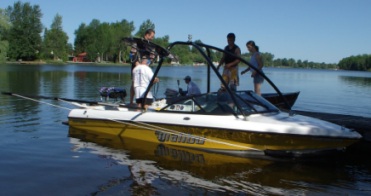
20,39
358,63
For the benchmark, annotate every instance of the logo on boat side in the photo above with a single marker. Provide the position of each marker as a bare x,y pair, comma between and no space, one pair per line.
179,138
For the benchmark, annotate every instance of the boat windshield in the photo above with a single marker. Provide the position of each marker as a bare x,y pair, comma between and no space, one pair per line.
219,103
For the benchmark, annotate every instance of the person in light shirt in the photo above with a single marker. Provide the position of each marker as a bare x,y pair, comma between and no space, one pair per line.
142,75
257,61
192,88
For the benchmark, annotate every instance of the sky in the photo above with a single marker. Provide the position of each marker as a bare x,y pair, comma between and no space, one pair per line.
314,30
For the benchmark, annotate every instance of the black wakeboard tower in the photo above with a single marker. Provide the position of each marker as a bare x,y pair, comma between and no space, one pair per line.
200,46
163,53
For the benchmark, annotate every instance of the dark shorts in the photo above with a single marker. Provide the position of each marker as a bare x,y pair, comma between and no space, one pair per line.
146,102
258,79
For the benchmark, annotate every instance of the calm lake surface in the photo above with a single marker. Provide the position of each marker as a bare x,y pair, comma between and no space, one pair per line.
42,156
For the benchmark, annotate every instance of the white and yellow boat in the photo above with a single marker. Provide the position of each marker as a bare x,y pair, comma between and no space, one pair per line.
228,122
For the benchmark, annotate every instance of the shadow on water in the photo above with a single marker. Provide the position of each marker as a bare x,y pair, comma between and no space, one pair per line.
152,165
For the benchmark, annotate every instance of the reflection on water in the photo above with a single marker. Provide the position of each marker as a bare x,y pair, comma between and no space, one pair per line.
358,81
151,164
142,149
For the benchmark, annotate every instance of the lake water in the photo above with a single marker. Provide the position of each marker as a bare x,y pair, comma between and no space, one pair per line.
42,156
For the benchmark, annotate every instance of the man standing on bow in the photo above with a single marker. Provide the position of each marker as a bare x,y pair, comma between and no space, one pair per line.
142,75
230,72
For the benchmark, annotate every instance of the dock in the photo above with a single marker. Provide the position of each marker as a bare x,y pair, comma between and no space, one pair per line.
358,123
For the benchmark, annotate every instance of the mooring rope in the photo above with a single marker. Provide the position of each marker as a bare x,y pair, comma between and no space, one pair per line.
38,101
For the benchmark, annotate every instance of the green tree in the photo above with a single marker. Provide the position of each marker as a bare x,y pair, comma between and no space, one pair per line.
358,63
4,27
94,47
102,41
368,62
24,34
56,40
89,40
148,24
81,38
4,21
121,29
267,58
299,63
291,62
182,54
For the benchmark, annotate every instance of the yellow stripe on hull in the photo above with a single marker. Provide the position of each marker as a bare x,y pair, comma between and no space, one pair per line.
210,139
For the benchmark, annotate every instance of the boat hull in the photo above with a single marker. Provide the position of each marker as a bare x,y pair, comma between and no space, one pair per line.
226,134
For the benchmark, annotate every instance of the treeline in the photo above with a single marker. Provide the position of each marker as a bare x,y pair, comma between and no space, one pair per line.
302,64
359,63
270,61
103,41
21,30
21,40
20,34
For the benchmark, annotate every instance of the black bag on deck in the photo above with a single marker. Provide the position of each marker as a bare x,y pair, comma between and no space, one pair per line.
113,93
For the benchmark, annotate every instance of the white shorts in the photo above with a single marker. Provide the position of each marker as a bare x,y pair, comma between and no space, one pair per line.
139,91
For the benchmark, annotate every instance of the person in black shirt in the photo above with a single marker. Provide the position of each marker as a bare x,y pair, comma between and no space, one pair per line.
230,72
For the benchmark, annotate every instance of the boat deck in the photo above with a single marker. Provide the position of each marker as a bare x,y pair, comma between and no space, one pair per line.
358,123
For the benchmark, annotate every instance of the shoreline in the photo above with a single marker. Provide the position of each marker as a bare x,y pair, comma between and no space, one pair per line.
41,62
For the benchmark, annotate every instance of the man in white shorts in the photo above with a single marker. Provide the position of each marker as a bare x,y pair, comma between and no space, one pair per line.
142,75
